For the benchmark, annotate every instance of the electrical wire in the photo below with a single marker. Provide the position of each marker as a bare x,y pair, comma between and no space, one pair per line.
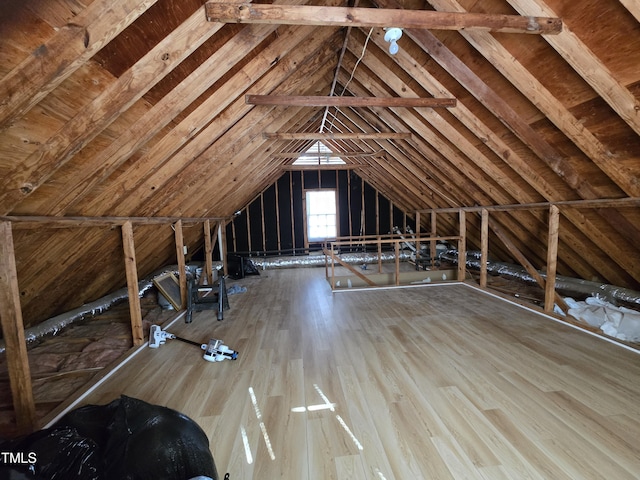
344,88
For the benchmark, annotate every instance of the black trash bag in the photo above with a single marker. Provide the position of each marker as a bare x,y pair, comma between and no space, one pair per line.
55,453
239,266
128,439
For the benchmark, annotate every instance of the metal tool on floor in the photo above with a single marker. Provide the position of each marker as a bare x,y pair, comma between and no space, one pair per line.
214,351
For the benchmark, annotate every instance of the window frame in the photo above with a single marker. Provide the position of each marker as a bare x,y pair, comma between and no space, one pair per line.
307,238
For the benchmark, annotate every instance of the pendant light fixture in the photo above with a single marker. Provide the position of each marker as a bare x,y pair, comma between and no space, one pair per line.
392,36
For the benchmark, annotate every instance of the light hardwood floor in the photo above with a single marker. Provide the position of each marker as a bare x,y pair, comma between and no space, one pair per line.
437,382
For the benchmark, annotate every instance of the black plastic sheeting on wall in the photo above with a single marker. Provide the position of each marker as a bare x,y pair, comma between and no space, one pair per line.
127,439
287,207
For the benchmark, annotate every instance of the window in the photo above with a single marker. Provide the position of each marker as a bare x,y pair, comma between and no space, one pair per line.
321,214
319,154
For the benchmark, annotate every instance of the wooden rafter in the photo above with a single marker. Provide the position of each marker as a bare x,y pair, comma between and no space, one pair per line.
376,17
147,126
633,6
64,53
321,101
196,132
533,89
96,116
590,68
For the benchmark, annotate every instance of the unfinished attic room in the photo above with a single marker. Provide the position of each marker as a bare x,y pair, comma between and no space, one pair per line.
376,239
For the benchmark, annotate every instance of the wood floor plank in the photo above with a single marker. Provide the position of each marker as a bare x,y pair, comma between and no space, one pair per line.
438,381
543,465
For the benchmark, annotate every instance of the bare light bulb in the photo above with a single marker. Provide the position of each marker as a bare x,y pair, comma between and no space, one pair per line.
392,36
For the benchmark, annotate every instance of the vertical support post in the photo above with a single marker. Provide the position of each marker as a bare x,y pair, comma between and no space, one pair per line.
182,268
418,230
249,242
13,332
432,244
264,231
397,251
379,254
208,252
363,217
552,258
333,268
293,222
325,249
377,212
132,284
233,235
349,205
462,247
278,218
222,245
484,247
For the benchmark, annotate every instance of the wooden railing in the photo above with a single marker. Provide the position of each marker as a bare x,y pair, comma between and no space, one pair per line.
551,297
331,250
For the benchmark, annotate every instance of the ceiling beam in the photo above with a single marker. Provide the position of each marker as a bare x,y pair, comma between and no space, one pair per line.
295,168
321,101
628,202
324,155
337,136
377,17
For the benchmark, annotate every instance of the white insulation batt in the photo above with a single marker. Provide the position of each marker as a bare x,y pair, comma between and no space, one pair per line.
618,322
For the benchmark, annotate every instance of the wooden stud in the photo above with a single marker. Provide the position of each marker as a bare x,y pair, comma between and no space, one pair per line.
182,268
222,245
278,216
233,235
484,247
418,229
396,248
349,203
13,333
208,253
462,247
377,212
293,222
264,233
249,242
132,284
552,258
363,218
432,244
305,226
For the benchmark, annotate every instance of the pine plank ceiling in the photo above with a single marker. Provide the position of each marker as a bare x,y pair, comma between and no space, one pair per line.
137,108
